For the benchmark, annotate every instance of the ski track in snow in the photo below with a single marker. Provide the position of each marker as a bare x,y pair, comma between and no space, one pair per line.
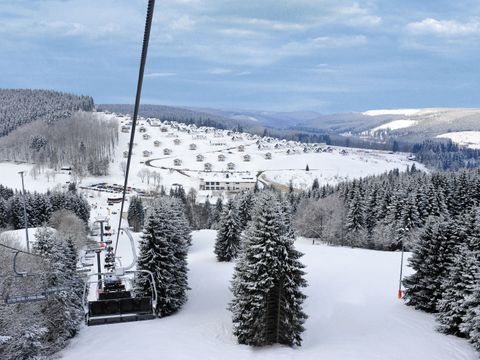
352,308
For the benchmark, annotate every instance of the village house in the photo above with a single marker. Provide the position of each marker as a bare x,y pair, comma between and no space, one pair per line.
208,167
177,162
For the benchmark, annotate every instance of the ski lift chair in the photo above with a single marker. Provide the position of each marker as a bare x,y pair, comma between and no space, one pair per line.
26,281
115,303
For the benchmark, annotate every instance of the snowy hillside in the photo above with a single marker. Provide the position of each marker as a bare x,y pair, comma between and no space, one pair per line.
426,122
470,139
183,144
352,308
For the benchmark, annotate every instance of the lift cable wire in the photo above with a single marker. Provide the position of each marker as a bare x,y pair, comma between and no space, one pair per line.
146,38
21,251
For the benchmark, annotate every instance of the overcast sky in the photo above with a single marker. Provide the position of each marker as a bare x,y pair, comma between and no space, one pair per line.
323,55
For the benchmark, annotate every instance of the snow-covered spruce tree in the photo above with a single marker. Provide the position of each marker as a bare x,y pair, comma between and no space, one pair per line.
163,251
267,298
63,309
216,212
431,259
3,213
227,243
245,207
458,287
471,320
136,213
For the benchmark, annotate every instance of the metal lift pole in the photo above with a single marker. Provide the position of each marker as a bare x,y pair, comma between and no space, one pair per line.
25,211
98,251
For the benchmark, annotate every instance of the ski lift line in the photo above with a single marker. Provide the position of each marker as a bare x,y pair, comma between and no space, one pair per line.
143,59
21,251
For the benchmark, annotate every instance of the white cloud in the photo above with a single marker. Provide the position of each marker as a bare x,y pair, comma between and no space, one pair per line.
445,27
182,23
220,71
160,74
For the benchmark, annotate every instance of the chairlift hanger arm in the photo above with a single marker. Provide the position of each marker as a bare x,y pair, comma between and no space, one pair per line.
143,60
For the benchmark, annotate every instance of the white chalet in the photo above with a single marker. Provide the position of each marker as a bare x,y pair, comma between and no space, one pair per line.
146,153
177,162
231,166
200,157
247,157
221,157
146,136
207,167
268,155
192,146
176,141
142,129
156,143
241,148
125,129
167,151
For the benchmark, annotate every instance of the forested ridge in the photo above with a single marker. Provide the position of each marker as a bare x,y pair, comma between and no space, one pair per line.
384,212
22,106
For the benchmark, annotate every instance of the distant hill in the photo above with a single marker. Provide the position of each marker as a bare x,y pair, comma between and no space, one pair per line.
184,115
22,106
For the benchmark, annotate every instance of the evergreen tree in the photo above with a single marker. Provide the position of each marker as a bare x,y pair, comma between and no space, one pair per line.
163,251
227,243
3,213
64,307
136,213
431,259
267,304
245,207
217,211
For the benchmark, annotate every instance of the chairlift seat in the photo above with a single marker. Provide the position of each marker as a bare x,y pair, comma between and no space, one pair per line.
119,310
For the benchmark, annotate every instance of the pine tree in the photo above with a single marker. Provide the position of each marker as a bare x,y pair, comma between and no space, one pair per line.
227,243
245,207
163,251
3,213
217,211
456,289
459,287
431,258
63,308
267,304
136,213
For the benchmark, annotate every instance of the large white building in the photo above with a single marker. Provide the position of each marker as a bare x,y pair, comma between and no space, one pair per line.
229,185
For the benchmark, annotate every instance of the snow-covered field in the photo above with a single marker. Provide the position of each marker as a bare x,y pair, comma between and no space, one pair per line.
405,112
352,307
470,139
395,125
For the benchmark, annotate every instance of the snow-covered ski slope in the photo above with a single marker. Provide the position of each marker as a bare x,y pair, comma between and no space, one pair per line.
352,307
